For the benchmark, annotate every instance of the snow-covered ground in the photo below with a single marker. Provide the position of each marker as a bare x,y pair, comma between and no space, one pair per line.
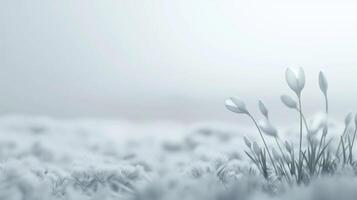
45,159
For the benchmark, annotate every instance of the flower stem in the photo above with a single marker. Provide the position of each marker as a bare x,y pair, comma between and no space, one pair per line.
265,144
326,106
300,152
305,121
322,140
281,150
326,110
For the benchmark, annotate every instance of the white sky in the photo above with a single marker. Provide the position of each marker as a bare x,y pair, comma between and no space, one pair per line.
171,59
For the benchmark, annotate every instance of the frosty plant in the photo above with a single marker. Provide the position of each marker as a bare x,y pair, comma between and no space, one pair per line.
316,159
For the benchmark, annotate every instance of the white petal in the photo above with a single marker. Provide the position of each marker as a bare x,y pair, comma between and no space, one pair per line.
324,131
288,101
301,78
323,83
235,105
263,109
292,80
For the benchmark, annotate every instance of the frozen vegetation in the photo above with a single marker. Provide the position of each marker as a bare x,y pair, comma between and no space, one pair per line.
45,159
48,159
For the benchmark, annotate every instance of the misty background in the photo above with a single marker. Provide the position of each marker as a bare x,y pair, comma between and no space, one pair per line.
172,60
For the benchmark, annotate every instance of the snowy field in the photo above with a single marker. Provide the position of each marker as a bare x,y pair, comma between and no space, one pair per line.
48,159
178,100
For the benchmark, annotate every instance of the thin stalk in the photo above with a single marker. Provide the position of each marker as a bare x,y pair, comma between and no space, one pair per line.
326,110
321,143
304,120
326,104
323,139
339,144
282,153
354,135
300,161
265,144
256,160
281,150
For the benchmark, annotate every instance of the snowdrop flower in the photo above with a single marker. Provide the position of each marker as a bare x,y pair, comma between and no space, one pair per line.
256,148
236,105
288,101
247,142
296,81
268,128
263,109
323,83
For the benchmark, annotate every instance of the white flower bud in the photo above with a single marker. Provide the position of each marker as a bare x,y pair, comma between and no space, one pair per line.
296,82
263,109
235,105
288,101
301,78
323,83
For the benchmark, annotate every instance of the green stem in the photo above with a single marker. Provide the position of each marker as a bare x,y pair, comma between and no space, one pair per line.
354,136
305,121
339,144
300,153
282,153
326,105
265,144
281,150
326,125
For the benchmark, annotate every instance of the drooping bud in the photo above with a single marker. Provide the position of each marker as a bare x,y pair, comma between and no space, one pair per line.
236,105
323,83
288,101
263,109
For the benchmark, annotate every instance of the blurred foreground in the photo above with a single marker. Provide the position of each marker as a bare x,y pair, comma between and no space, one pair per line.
43,158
